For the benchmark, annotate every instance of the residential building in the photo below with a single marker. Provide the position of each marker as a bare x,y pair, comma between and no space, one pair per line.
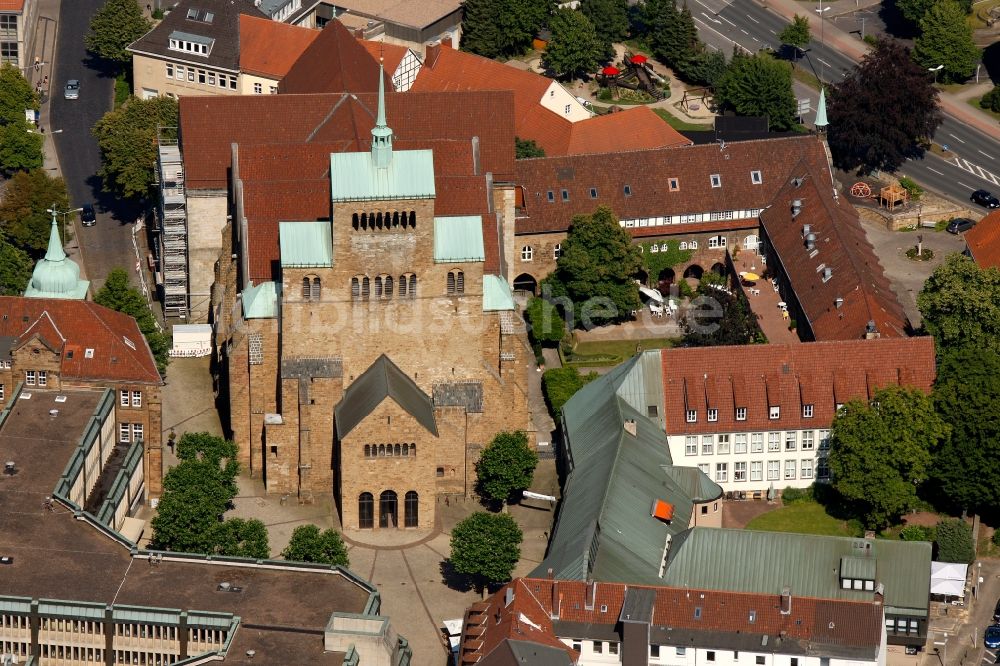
335,62
267,50
413,25
982,242
17,31
538,621
757,418
78,591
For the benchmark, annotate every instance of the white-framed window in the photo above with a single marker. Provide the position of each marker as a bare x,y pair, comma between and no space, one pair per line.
807,411
191,74
791,440
722,445
527,253
681,651
673,184
703,467
713,415
757,442
773,470
691,415
756,470
654,651
136,432
716,242
691,445
790,469
612,648
137,398
43,377
180,73
707,444
740,471
598,647
124,432
272,90
692,245
197,48
2,396
807,440
756,178
683,245
721,472
741,413
740,445
170,70
774,441
258,89
824,440
123,398
806,468
557,251
567,109
211,78
774,412
29,377
716,180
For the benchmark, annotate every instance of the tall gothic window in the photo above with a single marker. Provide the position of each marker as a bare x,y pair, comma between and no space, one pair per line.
411,506
366,511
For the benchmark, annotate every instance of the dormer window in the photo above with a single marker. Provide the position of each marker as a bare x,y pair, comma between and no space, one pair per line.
188,43
593,193
716,180
713,415
628,190
775,412
565,195
551,196
200,15
673,184
741,413
691,416
756,178
807,411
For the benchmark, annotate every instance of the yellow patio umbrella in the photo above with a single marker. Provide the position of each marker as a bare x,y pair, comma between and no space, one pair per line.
750,277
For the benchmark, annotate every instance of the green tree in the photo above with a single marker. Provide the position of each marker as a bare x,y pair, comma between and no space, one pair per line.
946,39
547,326
953,539
991,100
16,94
525,148
237,537
486,546
717,318
186,521
205,476
796,33
502,28
506,465
759,85
113,27
15,269
879,126
309,544
671,33
960,305
595,270
128,137
916,533
561,384
914,10
20,147
574,48
705,68
880,453
966,469
610,19
209,447
24,209
119,295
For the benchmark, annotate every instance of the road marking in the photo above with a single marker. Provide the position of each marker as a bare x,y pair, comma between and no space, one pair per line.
982,153
935,171
773,32
744,32
976,170
955,137
824,62
725,37
964,185
753,19
728,21
711,19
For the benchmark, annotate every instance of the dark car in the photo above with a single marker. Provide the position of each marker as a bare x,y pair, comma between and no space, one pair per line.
985,199
996,612
992,637
960,224
88,217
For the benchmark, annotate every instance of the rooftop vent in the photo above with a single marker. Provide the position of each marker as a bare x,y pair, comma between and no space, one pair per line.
838,302
225,586
827,274
10,468
797,182
53,413
60,398
796,207
810,241
786,600
251,654
806,229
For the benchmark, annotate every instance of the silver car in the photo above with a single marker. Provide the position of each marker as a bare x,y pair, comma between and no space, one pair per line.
72,90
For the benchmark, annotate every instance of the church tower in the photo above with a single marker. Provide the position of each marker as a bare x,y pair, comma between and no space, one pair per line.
56,275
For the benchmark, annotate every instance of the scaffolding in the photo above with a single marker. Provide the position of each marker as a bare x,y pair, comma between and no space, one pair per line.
173,243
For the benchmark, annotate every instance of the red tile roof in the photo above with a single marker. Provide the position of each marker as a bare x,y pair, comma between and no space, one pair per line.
334,63
578,607
983,241
391,54
757,377
12,5
72,327
448,69
841,247
269,48
647,174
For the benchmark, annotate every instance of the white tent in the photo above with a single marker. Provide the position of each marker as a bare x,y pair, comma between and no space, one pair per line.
651,293
192,340
948,578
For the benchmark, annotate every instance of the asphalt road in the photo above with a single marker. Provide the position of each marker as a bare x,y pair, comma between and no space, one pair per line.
108,244
973,157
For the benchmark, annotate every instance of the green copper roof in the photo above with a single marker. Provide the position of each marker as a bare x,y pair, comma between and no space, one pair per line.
305,244
356,177
458,238
821,120
56,275
496,294
261,301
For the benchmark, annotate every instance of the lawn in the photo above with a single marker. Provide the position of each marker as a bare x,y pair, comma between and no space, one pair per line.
622,348
681,125
974,103
803,517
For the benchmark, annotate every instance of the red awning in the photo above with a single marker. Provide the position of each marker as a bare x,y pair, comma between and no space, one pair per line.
662,510
639,59
610,70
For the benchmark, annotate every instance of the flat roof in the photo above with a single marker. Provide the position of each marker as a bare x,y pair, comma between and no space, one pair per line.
403,12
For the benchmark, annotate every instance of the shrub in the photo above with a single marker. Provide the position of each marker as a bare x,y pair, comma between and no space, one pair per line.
547,326
954,541
916,533
560,385
911,187
996,538
792,495
991,100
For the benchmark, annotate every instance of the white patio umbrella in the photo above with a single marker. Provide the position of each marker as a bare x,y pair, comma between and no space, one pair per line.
651,293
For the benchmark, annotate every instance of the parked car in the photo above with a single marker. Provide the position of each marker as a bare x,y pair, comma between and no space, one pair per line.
992,637
88,217
72,89
960,224
985,199
996,613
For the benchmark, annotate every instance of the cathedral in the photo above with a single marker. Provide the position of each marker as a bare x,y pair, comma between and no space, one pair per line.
386,349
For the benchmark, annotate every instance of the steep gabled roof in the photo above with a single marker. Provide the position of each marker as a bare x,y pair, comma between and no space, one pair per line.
983,241
269,48
383,379
335,62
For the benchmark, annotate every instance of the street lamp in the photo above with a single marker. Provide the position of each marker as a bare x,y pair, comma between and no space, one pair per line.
64,213
822,25
40,131
935,70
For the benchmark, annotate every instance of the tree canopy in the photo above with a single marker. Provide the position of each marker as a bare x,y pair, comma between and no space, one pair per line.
128,137
119,295
24,209
671,33
880,453
502,28
953,538
237,537
610,19
186,521
877,126
547,325
595,270
486,546
113,27
796,33
915,10
574,48
16,94
561,384
525,148
507,464
15,269
946,39
960,305
20,145
309,544
717,318
759,85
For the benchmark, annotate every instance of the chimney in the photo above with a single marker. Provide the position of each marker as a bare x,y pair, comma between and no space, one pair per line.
806,229
588,603
786,601
556,600
871,331
431,53
630,427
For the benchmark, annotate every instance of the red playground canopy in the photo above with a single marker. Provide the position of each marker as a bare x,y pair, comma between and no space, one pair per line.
611,70
639,59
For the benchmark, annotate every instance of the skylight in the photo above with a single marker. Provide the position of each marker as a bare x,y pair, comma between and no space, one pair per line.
200,15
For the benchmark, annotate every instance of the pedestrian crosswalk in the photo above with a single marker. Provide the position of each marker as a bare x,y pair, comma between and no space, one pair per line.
976,170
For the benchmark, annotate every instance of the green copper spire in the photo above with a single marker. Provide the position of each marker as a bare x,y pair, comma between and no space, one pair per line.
55,251
381,133
821,120
56,275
